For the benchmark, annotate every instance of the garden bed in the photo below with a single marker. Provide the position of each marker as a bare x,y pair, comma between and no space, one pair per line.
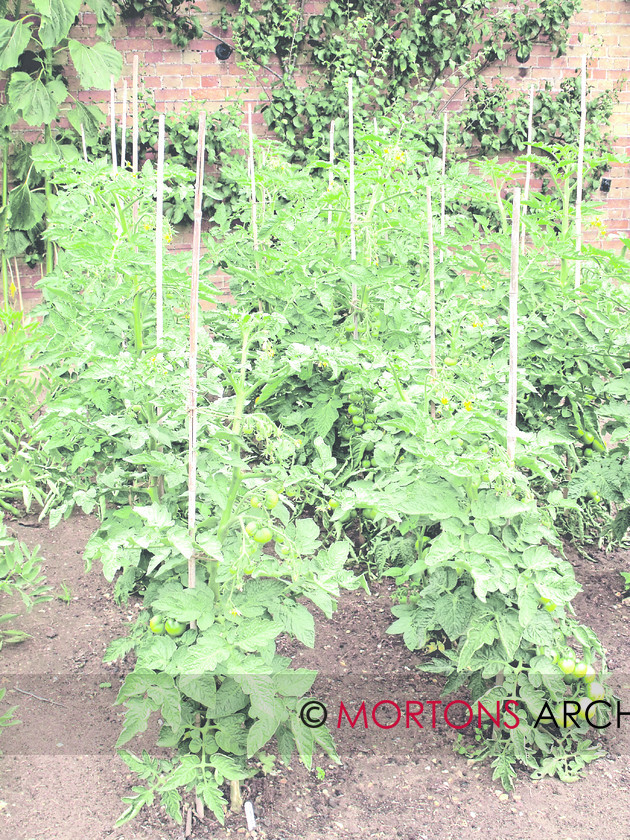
388,787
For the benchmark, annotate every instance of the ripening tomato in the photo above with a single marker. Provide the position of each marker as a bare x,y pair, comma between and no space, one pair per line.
157,625
174,627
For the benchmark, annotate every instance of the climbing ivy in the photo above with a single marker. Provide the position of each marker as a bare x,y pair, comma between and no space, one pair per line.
410,59
175,17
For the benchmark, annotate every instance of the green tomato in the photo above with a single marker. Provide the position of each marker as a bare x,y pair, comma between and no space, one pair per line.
592,494
367,427
174,627
157,625
263,535
358,420
353,409
251,528
580,669
591,675
560,717
588,438
550,653
584,704
271,499
333,504
550,606
371,418
449,361
365,463
370,513
136,409
255,501
598,446
566,665
596,691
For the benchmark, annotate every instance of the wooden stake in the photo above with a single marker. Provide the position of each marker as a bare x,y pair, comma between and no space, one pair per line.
112,99
513,295
134,128
353,239
123,142
433,371
580,176
192,358
134,117
528,168
159,236
331,160
84,144
443,190
252,176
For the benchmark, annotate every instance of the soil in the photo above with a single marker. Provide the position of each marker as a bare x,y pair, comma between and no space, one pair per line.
62,779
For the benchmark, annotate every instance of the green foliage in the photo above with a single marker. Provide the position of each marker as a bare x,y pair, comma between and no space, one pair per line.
175,17
22,385
405,57
36,93
20,574
321,428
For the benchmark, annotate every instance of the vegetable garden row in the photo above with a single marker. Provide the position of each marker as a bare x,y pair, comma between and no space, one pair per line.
438,401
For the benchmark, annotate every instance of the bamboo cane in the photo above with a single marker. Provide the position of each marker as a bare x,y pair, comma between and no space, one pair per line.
134,128
159,236
331,160
443,189
353,239
433,370
159,260
513,296
112,99
580,176
192,356
528,168
123,142
252,176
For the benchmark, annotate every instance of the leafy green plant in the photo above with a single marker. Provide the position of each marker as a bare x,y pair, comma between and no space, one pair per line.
175,17
403,55
325,438
23,382
20,574
32,46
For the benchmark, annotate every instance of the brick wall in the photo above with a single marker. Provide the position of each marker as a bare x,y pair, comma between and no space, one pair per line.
178,77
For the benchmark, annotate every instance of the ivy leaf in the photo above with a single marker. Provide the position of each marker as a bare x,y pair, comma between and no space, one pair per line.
95,65
14,37
35,101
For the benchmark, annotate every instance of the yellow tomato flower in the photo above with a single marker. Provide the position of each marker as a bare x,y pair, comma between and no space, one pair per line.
468,405
444,401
